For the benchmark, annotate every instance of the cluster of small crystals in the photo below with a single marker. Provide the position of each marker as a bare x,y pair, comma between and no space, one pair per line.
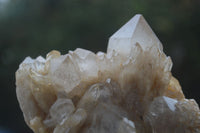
117,92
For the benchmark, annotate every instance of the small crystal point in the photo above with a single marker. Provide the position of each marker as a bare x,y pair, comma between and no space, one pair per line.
135,30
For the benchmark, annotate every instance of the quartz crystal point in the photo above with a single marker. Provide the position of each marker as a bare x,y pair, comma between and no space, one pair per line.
135,30
128,90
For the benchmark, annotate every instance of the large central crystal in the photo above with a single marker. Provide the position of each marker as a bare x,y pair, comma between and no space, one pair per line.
134,31
128,90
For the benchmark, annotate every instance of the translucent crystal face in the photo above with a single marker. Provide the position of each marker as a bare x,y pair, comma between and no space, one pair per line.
128,90
134,31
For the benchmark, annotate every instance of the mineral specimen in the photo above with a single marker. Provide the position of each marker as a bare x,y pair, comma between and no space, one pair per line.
128,90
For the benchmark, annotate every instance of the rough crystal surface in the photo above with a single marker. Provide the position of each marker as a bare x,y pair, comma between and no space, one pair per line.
129,89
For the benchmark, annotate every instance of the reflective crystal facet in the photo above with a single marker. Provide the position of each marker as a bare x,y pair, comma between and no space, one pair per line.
134,31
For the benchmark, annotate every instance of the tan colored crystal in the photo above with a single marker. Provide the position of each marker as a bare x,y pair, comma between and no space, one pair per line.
174,90
129,89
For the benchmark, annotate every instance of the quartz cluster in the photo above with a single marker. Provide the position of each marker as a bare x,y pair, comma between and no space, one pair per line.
129,89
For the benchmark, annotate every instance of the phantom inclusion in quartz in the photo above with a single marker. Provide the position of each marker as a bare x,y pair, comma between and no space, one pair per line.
129,89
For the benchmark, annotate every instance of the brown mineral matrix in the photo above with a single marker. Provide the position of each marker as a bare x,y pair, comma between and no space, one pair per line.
129,89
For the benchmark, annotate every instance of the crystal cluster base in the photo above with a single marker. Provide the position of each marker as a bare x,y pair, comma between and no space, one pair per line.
129,89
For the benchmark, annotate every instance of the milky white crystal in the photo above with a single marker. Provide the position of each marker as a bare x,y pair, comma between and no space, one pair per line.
134,31
129,89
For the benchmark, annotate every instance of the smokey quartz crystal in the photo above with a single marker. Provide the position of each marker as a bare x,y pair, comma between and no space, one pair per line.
129,89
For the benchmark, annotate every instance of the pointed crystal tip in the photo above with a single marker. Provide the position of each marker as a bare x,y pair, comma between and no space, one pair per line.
134,31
